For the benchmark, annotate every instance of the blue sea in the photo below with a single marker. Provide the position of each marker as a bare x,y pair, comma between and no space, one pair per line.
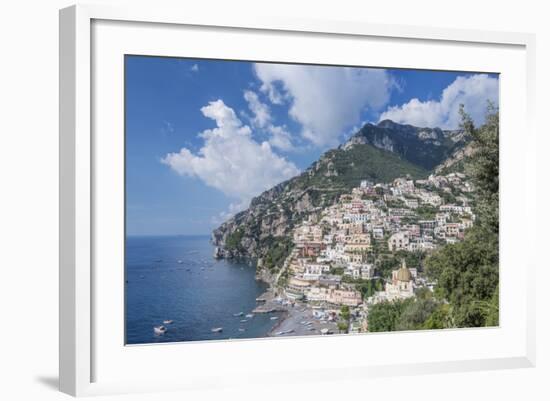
176,278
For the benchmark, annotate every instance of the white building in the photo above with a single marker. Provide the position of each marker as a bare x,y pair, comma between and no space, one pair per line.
398,241
400,287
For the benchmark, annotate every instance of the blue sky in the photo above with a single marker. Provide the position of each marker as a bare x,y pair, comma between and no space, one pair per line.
205,136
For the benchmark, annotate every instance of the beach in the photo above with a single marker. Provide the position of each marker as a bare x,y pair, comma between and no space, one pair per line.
298,320
295,318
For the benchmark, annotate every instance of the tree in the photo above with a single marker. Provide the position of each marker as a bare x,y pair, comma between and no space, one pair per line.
441,318
343,327
483,166
344,313
415,313
369,287
467,272
385,315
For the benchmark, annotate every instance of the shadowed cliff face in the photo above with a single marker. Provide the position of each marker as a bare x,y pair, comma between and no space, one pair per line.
377,153
425,147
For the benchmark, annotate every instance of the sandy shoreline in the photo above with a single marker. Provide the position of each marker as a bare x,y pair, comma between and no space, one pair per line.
294,319
298,320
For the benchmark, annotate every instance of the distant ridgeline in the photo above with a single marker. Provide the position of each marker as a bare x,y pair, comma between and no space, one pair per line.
379,153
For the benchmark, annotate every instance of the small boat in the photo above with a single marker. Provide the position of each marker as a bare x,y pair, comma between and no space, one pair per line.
281,333
274,317
159,330
217,330
249,316
168,321
238,314
241,329
180,261
244,321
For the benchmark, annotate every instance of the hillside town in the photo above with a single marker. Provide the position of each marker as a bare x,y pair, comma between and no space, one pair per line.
336,268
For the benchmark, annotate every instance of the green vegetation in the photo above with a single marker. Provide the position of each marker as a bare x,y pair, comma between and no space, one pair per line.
466,273
357,163
426,212
278,250
345,315
388,262
422,312
405,142
344,312
385,315
233,241
398,203
457,167
369,287
337,270
447,196
343,327
415,314
467,277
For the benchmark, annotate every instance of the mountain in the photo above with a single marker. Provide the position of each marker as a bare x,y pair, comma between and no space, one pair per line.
457,161
378,153
425,147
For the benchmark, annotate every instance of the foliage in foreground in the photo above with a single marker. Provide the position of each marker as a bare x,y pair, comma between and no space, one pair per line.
467,274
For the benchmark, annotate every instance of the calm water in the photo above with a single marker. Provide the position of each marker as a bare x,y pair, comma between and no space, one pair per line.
176,278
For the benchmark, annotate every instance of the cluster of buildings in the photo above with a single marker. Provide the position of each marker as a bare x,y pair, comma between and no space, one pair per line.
339,247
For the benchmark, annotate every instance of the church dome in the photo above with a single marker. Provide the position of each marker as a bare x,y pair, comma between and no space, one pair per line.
404,274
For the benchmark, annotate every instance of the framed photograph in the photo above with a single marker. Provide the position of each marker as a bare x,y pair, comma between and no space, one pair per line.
279,199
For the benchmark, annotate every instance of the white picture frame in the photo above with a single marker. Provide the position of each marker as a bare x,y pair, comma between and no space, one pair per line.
79,213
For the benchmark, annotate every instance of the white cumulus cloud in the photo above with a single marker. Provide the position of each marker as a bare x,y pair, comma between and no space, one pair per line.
279,137
473,91
262,114
230,160
325,100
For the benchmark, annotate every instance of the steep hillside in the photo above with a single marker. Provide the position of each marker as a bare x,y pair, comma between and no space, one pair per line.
378,153
425,147
456,162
